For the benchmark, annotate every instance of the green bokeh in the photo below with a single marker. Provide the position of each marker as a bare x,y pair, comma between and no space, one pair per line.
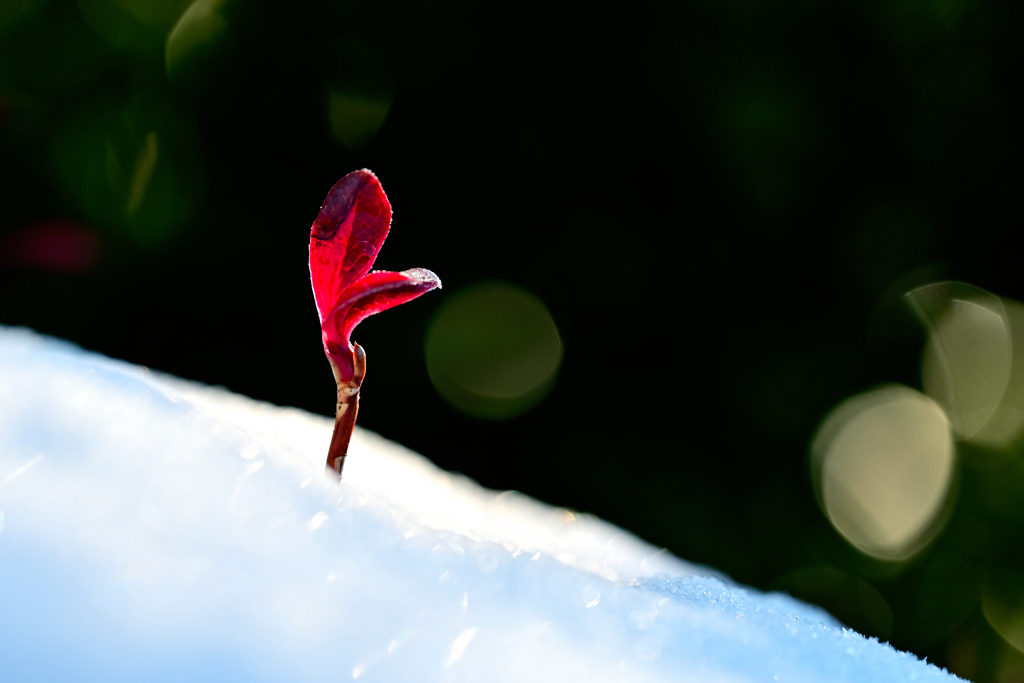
493,350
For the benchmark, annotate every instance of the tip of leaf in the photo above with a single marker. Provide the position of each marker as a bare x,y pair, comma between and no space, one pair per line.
424,277
341,199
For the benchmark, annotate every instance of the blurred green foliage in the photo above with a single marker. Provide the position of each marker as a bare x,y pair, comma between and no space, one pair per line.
720,204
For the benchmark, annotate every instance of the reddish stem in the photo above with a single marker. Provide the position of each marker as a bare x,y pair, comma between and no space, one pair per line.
348,408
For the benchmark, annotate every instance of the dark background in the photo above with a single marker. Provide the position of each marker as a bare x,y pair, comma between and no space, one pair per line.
719,201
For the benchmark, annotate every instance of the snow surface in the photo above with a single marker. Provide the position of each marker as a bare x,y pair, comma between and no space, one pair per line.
159,530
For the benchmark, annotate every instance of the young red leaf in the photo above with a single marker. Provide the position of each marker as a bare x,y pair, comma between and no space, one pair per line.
370,294
346,236
343,244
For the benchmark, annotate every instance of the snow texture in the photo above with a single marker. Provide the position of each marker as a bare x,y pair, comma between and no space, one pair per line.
159,530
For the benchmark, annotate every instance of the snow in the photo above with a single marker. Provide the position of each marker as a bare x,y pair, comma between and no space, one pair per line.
156,529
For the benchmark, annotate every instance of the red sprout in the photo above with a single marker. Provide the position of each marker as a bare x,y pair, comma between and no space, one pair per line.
343,244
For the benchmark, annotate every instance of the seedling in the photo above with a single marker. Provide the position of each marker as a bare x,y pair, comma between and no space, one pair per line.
343,244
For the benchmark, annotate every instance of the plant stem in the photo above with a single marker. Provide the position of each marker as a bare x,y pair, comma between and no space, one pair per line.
348,408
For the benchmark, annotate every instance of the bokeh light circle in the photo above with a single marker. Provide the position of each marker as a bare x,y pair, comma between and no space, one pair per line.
883,468
1002,603
493,350
968,359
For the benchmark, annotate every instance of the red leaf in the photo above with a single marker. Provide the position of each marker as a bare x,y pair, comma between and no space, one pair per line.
372,294
346,236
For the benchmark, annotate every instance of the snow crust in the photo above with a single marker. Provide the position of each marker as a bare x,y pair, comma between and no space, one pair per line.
156,529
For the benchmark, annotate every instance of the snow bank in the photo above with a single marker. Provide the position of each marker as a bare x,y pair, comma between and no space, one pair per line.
155,529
